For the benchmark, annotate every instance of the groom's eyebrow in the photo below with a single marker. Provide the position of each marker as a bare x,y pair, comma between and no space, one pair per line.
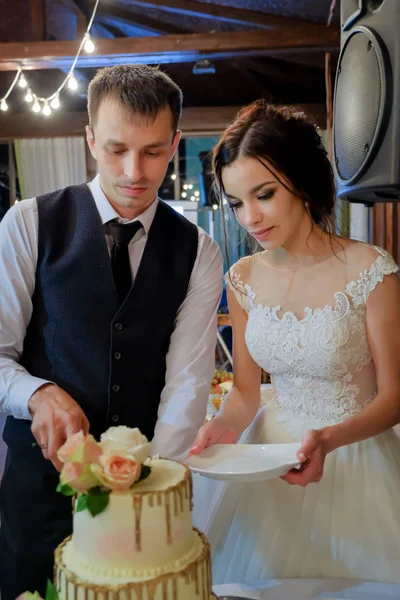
114,142
156,145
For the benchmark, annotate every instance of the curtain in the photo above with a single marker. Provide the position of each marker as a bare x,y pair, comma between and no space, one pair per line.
3,448
45,165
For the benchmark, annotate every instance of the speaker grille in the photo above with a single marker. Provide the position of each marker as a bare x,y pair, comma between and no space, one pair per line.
359,103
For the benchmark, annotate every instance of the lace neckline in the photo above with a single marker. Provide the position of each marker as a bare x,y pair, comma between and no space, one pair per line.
355,292
323,261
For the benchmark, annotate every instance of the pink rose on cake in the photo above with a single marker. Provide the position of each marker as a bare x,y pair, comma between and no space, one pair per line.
29,596
126,440
117,471
80,448
78,476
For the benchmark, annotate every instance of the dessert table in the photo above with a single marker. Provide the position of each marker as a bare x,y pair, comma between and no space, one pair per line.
311,589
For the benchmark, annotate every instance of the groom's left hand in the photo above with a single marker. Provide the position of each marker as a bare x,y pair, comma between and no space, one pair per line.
311,455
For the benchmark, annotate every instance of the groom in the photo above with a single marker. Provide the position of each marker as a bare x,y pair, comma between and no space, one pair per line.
107,315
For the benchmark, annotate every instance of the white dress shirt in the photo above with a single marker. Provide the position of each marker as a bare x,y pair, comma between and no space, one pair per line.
191,355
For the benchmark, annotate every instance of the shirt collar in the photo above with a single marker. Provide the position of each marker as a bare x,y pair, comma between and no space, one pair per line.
107,212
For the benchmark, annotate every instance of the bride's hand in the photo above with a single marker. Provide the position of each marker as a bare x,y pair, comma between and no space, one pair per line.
311,455
216,431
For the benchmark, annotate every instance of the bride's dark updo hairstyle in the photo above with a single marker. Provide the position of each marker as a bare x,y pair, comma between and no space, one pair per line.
286,138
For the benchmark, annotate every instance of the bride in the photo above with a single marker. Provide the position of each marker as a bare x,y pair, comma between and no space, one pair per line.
321,314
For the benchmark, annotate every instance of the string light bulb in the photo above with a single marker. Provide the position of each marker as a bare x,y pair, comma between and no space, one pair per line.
89,46
173,176
215,206
46,111
22,81
72,82
55,103
36,106
69,80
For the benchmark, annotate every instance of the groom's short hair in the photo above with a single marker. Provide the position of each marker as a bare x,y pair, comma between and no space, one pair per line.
140,89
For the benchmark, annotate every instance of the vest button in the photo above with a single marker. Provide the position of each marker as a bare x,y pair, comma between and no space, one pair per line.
118,326
115,388
115,418
117,355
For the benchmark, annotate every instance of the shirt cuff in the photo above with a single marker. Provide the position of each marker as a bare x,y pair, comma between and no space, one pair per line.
21,392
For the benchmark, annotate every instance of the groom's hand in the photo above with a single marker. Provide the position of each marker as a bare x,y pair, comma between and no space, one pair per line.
56,416
311,455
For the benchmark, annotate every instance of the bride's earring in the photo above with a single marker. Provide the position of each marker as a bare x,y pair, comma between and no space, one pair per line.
307,205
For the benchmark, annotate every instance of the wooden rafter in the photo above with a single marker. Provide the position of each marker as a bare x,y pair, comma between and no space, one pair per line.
225,13
278,71
168,48
81,19
195,121
38,20
118,14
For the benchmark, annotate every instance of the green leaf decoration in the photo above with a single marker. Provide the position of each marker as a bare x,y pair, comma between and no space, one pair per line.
144,473
82,503
65,489
97,500
51,591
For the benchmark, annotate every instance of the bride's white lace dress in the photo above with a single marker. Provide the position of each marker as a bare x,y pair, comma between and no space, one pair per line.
306,327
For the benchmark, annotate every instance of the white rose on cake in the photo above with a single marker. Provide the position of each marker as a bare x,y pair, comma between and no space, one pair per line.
128,440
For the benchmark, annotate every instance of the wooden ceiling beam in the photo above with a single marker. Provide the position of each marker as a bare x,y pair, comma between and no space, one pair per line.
167,48
119,14
38,20
81,19
290,74
225,13
195,121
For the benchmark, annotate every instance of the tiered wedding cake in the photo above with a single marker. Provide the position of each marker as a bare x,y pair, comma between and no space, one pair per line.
133,537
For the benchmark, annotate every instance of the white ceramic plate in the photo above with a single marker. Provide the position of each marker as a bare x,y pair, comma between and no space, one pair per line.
245,462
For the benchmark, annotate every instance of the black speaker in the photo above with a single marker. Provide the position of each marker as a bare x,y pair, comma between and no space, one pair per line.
366,127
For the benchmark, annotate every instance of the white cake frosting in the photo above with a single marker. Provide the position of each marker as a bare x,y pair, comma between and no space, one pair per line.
141,547
141,534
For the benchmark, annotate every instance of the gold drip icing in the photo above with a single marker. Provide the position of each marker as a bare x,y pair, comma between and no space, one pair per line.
190,573
139,573
137,507
191,493
168,520
164,590
175,503
174,588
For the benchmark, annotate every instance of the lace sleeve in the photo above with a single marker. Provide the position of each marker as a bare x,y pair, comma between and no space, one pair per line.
242,291
360,289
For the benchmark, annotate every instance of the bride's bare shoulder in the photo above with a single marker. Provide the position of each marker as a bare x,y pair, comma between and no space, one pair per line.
362,255
244,265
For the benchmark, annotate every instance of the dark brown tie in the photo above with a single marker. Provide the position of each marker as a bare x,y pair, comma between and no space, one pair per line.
122,233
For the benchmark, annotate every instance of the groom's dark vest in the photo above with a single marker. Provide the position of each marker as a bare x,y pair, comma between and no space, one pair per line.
111,359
